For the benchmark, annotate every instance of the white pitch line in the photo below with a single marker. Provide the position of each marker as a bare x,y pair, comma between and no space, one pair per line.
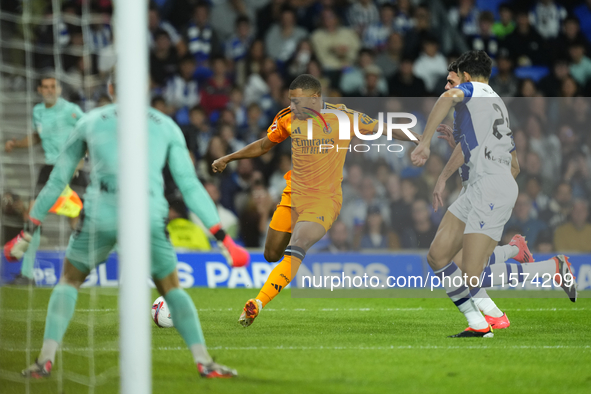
249,348
419,309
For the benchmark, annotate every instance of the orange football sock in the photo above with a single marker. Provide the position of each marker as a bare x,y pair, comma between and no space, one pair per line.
282,274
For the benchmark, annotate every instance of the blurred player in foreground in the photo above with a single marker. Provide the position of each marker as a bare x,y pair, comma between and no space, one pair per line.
316,195
53,121
96,235
474,222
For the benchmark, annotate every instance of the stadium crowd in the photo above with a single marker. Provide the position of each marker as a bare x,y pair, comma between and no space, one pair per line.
222,71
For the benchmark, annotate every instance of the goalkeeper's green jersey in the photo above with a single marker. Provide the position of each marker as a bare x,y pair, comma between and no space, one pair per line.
54,126
97,133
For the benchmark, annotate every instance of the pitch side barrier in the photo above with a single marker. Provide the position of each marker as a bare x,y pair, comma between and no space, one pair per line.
321,274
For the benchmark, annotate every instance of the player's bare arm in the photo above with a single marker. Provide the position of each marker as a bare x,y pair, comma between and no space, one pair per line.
515,170
446,102
446,133
455,161
24,143
256,149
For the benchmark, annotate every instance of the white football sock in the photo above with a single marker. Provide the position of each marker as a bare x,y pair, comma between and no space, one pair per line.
48,351
485,304
200,354
460,295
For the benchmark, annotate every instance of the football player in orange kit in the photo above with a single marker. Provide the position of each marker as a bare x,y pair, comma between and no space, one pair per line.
312,200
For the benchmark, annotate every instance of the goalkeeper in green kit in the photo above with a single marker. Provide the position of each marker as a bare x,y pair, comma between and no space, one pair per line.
96,234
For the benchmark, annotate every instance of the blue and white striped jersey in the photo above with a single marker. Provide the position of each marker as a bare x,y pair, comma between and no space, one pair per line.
482,124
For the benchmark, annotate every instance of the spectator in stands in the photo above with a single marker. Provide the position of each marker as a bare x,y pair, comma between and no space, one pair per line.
100,34
403,20
547,16
353,78
236,47
402,193
339,238
215,93
352,183
420,235
181,91
282,38
226,131
361,14
376,34
464,17
583,13
574,235
389,59
217,148
354,214
404,83
228,219
373,83
504,82
422,28
521,219
569,87
506,24
155,24
376,234
182,232
559,206
577,171
571,33
550,85
335,46
533,188
224,12
300,59
236,183
580,67
546,146
545,242
527,88
256,214
268,15
431,64
164,60
484,39
198,132
255,123
525,44
201,39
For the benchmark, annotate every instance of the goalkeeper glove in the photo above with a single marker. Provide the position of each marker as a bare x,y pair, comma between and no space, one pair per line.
15,249
235,255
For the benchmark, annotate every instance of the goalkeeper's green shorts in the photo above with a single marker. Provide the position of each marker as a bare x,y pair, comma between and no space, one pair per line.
93,241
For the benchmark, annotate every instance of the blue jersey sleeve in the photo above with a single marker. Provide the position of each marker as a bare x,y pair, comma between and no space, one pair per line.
468,89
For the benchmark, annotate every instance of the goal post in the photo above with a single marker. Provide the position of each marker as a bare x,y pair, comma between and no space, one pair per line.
134,225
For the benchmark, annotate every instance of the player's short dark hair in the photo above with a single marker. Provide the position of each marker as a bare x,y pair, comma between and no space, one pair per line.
159,33
475,63
505,6
202,4
47,76
306,82
242,19
157,99
486,16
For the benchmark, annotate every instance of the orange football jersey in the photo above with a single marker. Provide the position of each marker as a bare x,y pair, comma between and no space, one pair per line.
317,162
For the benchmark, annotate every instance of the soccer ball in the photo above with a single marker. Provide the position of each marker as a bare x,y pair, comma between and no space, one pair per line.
161,313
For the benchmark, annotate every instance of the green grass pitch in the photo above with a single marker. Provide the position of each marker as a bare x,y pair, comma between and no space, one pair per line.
315,346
